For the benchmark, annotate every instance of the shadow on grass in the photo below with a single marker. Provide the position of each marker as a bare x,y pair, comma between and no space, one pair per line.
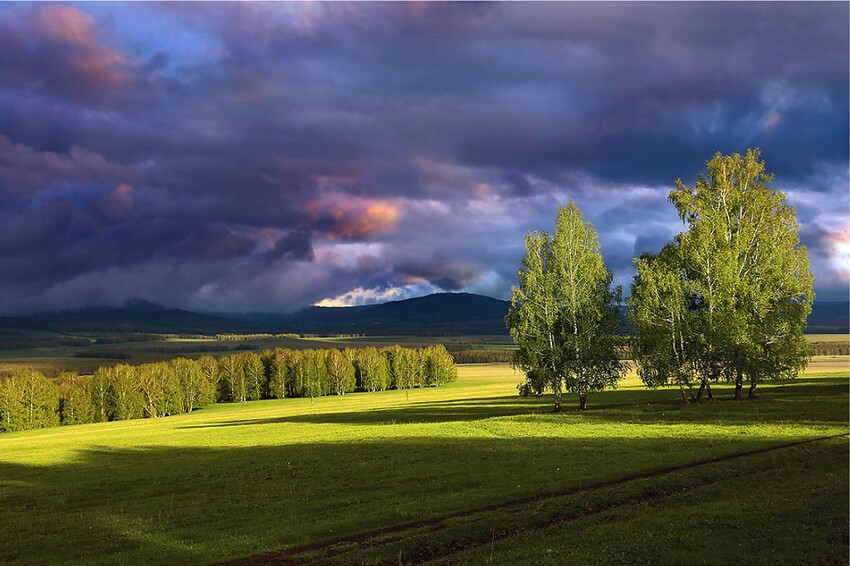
201,505
625,406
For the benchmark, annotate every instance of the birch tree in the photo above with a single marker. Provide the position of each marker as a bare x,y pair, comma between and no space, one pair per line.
742,254
667,342
563,315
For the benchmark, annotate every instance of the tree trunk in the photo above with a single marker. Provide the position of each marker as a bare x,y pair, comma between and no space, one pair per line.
558,400
582,401
739,385
684,395
752,394
705,388
702,387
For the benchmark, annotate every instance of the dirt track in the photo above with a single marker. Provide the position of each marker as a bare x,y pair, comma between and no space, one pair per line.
295,554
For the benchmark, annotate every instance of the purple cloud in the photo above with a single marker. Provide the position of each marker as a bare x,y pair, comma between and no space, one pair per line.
266,156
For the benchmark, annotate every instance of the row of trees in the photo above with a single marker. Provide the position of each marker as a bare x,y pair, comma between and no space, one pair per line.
726,300
30,400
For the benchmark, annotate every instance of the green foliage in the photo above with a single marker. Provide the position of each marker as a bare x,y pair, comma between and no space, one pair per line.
563,314
28,400
393,357
406,365
124,399
179,386
99,389
668,345
196,388
311,374
256,384
340,372
210,368
75,400
150,386
438,365
161,389
374,369
234,386
746,270
484,356
281,373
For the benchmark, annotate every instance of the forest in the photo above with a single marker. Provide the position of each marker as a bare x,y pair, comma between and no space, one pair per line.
29,400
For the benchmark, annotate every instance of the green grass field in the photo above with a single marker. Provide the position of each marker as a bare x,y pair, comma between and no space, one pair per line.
233,481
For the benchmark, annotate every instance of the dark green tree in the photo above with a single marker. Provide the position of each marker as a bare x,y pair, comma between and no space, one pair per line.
393,356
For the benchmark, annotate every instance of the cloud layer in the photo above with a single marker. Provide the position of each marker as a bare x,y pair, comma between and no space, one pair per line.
273,155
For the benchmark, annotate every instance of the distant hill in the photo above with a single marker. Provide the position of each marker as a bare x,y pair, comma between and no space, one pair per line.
829,318
438,314
147,319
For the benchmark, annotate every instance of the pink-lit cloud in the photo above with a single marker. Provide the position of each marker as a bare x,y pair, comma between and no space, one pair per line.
344,217
839,251
57,48
24,168
275,154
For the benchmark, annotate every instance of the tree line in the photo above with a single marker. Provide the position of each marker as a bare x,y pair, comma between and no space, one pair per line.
726,300
30,400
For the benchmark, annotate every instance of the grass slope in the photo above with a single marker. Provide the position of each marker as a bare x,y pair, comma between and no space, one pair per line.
239,480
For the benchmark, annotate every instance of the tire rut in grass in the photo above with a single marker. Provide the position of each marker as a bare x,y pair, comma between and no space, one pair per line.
325,551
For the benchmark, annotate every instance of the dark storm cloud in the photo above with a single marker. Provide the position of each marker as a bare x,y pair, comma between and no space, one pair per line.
23,168
237,156
55,49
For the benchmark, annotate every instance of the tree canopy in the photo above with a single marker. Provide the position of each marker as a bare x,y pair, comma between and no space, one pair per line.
729,298
563,314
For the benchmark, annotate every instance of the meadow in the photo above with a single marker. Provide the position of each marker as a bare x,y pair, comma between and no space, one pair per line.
52,360
465,473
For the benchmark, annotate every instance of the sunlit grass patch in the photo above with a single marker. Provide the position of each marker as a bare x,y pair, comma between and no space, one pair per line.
240,479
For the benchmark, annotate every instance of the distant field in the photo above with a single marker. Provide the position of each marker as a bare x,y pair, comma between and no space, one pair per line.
232,481
56,359
842,338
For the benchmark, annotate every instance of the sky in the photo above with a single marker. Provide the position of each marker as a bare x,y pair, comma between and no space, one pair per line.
269,156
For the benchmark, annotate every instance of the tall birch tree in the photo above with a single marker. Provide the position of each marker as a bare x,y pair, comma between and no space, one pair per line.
563,315
741,252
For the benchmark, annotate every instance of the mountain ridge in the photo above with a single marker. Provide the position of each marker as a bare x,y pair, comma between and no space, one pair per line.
436,314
